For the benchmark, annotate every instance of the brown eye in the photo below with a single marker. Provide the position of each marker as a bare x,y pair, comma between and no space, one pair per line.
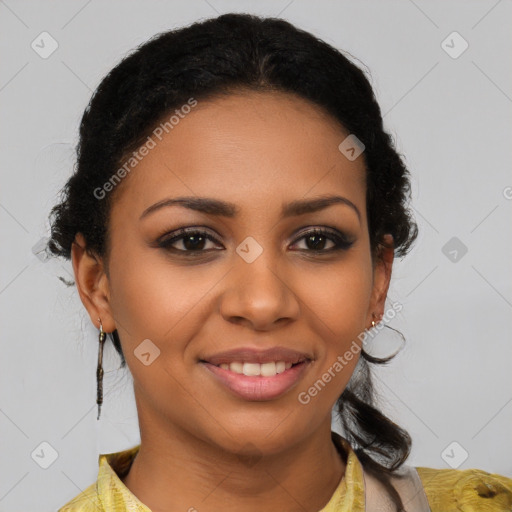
195,241
191,240
316,240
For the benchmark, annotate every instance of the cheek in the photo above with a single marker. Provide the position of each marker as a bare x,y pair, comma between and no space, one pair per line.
341,308
148,296
151,300
340,298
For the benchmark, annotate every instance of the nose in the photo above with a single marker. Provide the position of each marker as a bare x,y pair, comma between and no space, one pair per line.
259,294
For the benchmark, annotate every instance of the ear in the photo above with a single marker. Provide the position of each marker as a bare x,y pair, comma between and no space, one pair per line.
92,284
381,278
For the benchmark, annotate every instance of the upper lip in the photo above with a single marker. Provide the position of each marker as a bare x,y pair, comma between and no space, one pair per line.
254,355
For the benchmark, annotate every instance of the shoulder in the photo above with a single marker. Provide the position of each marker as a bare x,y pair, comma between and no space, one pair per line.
86,501
471,490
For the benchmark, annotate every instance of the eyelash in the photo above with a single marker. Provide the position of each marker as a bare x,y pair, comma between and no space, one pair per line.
340,241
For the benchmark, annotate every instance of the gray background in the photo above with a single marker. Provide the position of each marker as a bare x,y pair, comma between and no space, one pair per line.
450,118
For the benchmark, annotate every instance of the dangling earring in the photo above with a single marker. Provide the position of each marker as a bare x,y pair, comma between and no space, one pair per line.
99,371
373,321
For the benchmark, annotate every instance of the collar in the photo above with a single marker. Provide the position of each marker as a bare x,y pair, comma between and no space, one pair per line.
115,496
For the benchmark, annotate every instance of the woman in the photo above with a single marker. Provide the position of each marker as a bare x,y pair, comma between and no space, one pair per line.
232,224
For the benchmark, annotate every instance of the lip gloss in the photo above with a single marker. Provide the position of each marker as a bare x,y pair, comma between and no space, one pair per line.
258,388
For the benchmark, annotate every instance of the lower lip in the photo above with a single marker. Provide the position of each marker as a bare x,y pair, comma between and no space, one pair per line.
257,388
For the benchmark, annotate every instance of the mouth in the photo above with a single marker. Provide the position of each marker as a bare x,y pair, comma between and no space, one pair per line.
269,369
255,375
257,381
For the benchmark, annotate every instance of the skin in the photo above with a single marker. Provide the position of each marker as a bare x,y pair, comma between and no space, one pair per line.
201,446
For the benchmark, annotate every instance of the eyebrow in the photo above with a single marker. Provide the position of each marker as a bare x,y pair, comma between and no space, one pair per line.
220,208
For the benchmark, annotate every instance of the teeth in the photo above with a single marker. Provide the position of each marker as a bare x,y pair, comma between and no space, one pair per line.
254,369
268,369
236,367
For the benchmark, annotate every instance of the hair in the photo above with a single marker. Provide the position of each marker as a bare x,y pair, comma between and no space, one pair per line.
220,56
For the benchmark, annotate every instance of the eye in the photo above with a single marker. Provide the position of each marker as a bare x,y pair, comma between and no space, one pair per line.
316,239
192,240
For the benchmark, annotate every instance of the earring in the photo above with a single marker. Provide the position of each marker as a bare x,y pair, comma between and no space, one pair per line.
99,371
371,335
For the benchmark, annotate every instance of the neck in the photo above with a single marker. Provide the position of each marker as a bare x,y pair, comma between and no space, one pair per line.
175,470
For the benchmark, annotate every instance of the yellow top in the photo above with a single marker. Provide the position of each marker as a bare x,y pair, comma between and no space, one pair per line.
447,490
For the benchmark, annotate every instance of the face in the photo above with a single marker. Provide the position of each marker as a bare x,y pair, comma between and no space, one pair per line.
258,283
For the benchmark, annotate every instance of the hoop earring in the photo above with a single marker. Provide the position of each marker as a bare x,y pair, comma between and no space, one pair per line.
99,370
373,359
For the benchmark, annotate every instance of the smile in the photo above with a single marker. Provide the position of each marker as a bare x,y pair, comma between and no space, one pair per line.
254,369
257,382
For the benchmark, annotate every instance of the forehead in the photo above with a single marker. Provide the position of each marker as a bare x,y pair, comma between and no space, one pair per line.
246,147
